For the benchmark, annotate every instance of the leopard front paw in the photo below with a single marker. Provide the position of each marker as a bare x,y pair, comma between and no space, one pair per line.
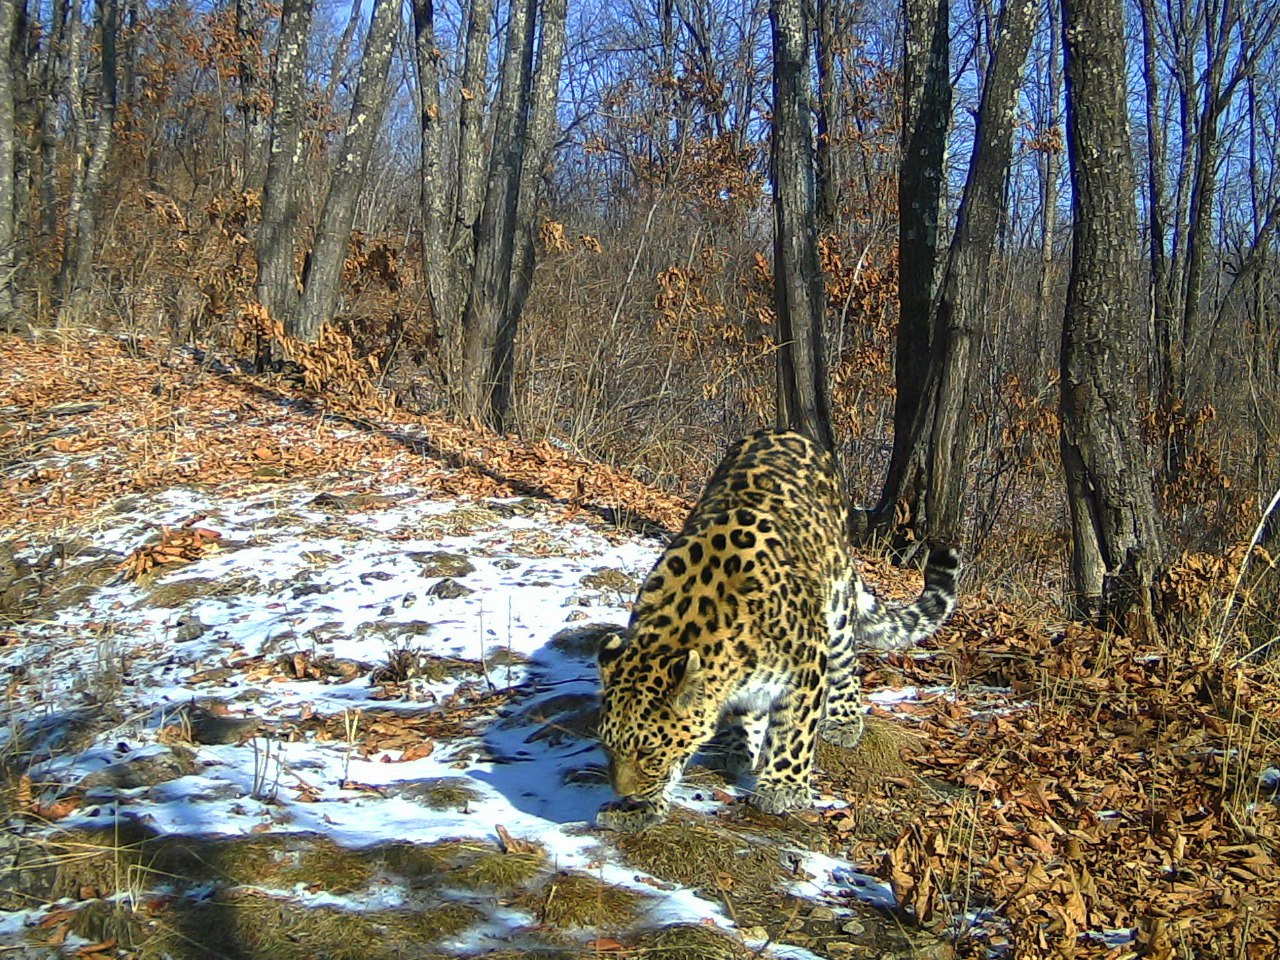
630,815
778,798
847,733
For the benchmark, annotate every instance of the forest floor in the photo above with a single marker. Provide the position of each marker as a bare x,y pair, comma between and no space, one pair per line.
291,681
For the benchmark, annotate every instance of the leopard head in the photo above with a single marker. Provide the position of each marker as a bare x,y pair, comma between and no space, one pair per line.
654,714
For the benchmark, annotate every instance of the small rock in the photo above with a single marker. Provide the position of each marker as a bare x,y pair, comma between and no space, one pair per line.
583,640
841,948
441,563
609,578
449,589
506,563
331,502
211,728
188,628
144,772
372,575
822,913
854,928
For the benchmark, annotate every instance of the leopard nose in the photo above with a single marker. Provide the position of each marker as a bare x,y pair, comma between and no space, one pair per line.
622,777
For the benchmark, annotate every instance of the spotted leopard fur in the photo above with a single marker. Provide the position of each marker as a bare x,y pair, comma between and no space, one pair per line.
750,622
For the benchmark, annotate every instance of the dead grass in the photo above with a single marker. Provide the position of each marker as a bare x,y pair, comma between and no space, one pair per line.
704,855
879,756
574,901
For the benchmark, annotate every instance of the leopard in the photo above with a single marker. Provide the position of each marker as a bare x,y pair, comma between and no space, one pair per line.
748,629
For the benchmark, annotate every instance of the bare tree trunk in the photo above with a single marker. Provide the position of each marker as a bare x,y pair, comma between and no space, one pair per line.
333,233
76,134
544,126
8,152
439,257
799,296
49,91
76,273
495,242
1115,533
926,112
469,196
253,95
277,270
941,434
451,200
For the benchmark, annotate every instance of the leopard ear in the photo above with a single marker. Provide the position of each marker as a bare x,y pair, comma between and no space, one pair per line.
690,682
611,647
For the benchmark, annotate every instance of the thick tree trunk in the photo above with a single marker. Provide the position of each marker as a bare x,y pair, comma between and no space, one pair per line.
926,111
799,296
1115,535
451,199
932,471
495,241
333,232
277,270
252,98
76,274
544,127
440,258
50,84
942,433
8,152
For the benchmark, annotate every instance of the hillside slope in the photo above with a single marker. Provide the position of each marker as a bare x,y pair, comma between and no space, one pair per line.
288,679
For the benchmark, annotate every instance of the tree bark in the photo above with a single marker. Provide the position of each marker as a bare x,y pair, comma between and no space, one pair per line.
1115,534
50,84
929,469
277,270
76,273
544,127
323,275
8,153
941,432
252,93
799,296
495,242
926,111
828,179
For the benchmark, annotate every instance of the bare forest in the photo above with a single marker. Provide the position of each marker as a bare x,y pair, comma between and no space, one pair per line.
1017,265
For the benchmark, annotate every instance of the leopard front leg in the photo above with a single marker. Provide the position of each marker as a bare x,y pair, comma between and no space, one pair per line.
736,747
783,784
844,724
